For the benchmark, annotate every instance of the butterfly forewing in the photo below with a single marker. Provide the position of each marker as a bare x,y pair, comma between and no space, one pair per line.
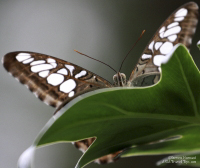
178,28
52,80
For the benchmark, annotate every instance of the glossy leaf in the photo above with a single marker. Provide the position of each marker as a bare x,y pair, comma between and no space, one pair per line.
125,117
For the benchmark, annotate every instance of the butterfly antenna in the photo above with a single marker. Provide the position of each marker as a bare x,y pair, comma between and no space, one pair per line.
96,60
131,49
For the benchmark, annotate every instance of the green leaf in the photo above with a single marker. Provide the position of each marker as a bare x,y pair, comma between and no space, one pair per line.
185,159
181,140
125,117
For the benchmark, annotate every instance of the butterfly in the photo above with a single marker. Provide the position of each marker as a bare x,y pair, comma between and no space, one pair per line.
57,82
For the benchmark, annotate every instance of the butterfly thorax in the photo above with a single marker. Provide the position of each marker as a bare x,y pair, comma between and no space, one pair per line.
119,79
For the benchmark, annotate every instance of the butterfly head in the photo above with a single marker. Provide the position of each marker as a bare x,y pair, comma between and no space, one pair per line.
119,79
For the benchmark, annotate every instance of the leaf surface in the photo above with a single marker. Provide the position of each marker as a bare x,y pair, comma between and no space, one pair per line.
123,117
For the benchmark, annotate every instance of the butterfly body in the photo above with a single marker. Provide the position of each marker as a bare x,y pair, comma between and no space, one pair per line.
119,80
57,82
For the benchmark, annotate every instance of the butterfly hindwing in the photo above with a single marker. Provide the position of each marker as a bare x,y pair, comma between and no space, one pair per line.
51,79
178,28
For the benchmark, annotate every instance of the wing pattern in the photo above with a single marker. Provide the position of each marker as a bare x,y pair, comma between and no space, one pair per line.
178,28
52,80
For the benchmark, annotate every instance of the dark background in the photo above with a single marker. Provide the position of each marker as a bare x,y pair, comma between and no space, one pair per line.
103,29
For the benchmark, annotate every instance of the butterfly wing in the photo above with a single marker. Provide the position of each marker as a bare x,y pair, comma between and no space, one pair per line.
178,28
52,80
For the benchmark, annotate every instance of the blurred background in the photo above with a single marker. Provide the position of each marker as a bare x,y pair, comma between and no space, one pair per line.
104,29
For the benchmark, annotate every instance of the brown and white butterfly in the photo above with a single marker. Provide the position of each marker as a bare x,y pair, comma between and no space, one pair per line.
56,82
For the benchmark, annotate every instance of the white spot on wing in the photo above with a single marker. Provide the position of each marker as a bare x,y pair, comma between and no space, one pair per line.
54,65
146,56
51,60
37,62
36,94
179,19
68,86
172,31
157,45
159,59
162,35
23,56
55,79
151,46
162,29
166,47
172,38
181,12
42,67
28,61
26,86
62,71
17,79
172,25
81,74
48,100
2,60
71,68
71,94
44,74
